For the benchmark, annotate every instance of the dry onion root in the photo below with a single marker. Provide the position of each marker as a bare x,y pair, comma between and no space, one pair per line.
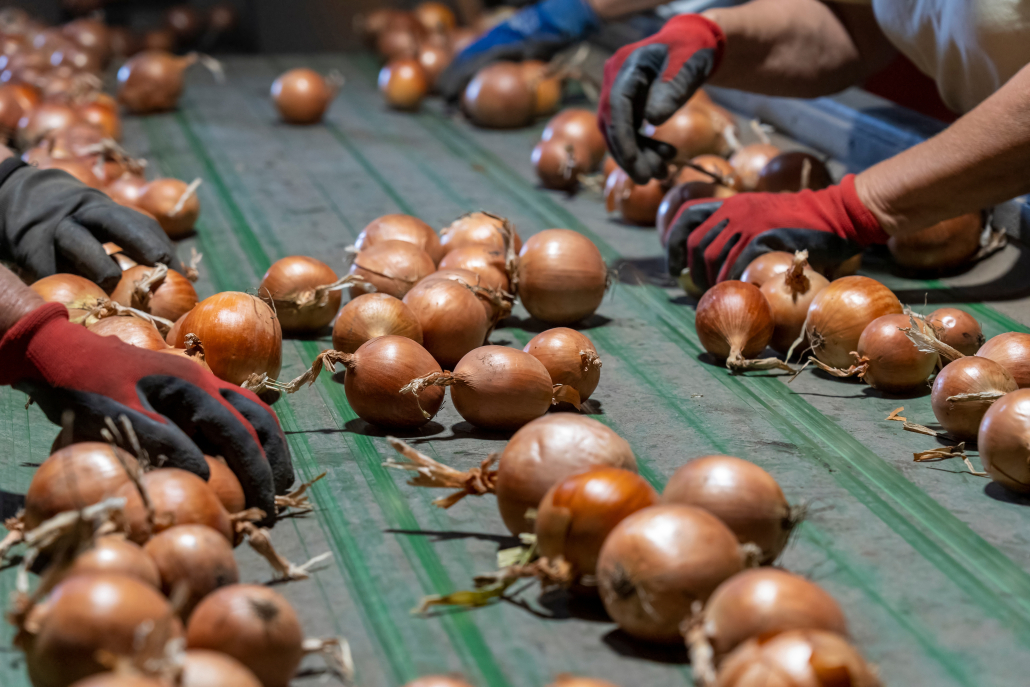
790,294
829,660
735,323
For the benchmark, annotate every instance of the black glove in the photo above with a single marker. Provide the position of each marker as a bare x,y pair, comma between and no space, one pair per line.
50,222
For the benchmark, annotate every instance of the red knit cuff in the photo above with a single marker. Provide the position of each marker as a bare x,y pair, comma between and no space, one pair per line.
14,347
866,227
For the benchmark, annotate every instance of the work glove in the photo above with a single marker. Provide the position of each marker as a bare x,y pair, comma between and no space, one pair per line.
536,32
717,239
50,222
649,80
178,410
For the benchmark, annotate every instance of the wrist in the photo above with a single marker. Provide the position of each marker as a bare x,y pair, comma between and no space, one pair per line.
866,226
870,196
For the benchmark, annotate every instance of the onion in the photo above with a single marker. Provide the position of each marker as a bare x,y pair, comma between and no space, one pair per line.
91,35
636,203
569,357
74,477
174,203
500,97
44,118
497,304
886,359
946,245
744,496
958,329
577,514
126,189
721,171
11,113
184,21
78,294
193,352
674,199
403,83
293,284
87,614
397,44
252,624
392,267
224,483
983,379
658,562
28,95
547,88
303,95
1010,350
437,681
559,162
735,323
80,170
766,266
177,497
487,263
578,126
435,16
203,668
372,315
792,172
114,554
194,557
164,293
493,387
434,59
132,330
749,162
152,81
400,228
172,338
102,117
840,313
561,276
797,658
241,336
453,321
790,294
378,21
478,228
1003,441
692,132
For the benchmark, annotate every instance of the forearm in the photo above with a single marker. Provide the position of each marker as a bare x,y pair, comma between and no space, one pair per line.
16,299
979,161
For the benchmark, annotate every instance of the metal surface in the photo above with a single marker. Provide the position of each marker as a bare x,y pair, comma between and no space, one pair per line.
931,564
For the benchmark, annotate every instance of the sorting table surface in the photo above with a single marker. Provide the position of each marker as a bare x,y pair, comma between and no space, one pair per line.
930,563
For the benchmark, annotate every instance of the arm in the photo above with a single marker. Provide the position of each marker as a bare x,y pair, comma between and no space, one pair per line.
979,161
16,300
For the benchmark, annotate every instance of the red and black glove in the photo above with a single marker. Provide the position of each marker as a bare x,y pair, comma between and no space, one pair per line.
178,410
717,239
650,80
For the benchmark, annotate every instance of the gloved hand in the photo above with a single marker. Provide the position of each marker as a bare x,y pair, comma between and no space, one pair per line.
51,222
178,410
536,32
650,80
717,239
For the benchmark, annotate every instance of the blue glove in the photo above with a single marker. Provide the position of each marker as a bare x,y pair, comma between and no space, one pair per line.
536,32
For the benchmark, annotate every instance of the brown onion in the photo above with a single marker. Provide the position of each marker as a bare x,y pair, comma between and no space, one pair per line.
1012,351
372,315
790,294
487,263
89,34
496,304
749,162
566,680
292,285
792,172
887,360
177,498
636,203
397,44
78,294
43,119
400,228
453,321
946,245
798,658
252,624
28,95
674,199
11,113
547,89
570,359
87,614
435,16
241,336
559,163
174,203
734,323
958,329
840,313
74,477
500,97
132,330
392,267
721,171
579,126
171,297
972,375
152,81
102,117
741,494
172,338
691,131
561,276
478,228
1004,441
766,266
114,554
434,59
126,189
80,170
224,483
403,83
203,668
302,96
194,557
578,513
159,40
658,562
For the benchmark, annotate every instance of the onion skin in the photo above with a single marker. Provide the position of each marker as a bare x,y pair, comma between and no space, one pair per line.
252,624
172,298
969,375
742,495
578,125
895,365
476,228
226,486
43,119
637,204
734,321
546,451
570,359
657,562
958,329
944,246
798,658
766,266
74,477
178,498
380,368
371,315
1004,441
789,300
493,309
160,197
692,131
453,321
578,513
485,262
500,388
749,162
393,267
765,601
195,556
1012,351
287,279
840,313
86,614
302,96
75,292
403,83
151,81
401,228
173,334
203,668
785,173
131,330
126,190
241,336
562,276
102,117
113,554
500,97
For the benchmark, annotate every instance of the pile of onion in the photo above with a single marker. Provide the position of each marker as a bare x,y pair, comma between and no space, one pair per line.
569,357
735,323
658,562
173,203
792,172
403,83
152,81
177,497
161,292
500,96
401,228
452,319
635,203
1004,441
958,329
963,392
304,291
241,336
371,315
303,95
766,266
840,313
1012,351
561,276
749,162
944,246
479,228
790,294
579,127
194,557
392,267
799,658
